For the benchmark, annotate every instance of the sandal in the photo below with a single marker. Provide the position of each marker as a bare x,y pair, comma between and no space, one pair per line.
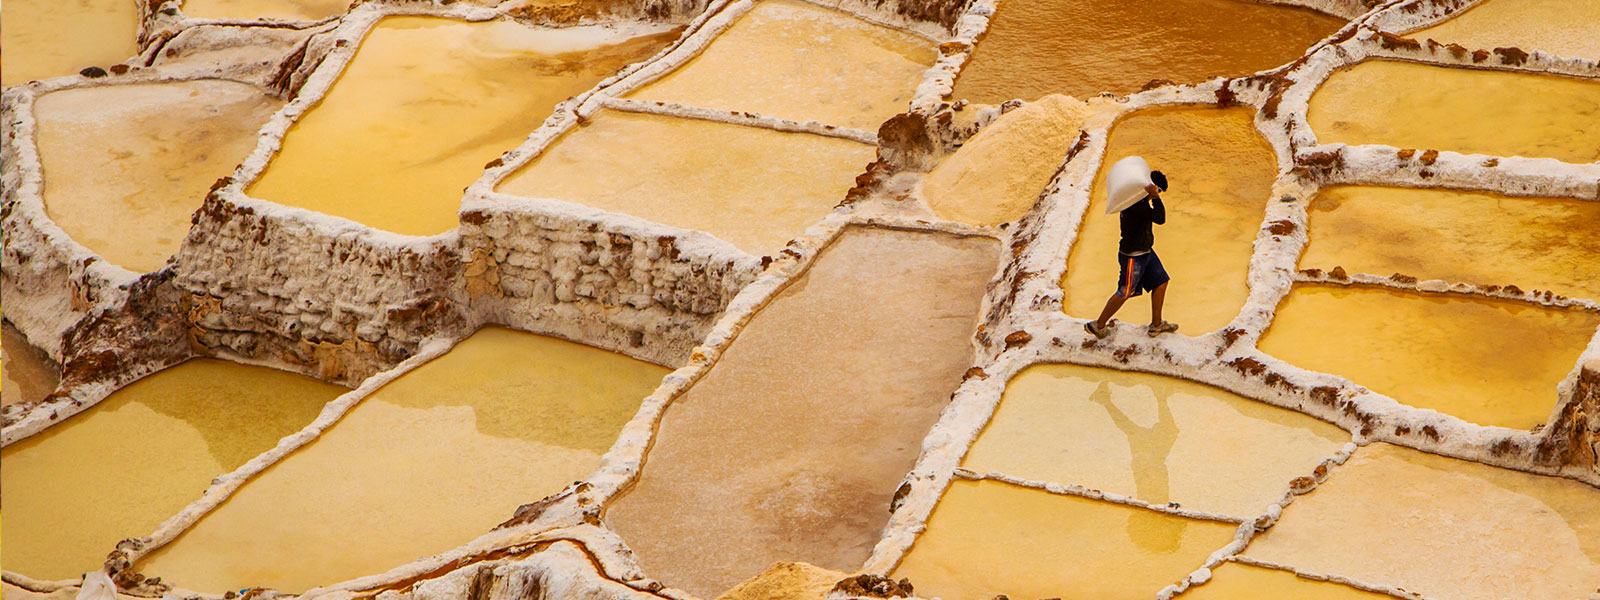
1156,329
1099,332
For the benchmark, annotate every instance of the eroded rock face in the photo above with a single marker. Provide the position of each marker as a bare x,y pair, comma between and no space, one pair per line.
793,444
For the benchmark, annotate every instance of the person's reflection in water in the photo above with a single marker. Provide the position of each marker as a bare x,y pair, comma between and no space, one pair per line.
1149,447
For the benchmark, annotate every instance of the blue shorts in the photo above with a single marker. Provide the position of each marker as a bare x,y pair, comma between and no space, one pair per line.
1140,274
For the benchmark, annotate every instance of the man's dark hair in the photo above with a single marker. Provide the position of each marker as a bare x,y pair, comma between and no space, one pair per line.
1160,179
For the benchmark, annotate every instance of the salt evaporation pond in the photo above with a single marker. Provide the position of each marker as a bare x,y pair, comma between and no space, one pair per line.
125,166
139,456
754,188
49,38
1397,517
1459,237
29,374
504,418
1084,47
988,538
425,104
1490,362
1559,27
1212,216
1424,107
799,61
306,10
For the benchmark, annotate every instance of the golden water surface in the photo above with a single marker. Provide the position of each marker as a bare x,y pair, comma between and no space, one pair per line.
1237,581
987,538
1084,47
28,373
755,188
1498,113
120,468
799,61
52,38
1443,527
1490,362
1220,174
1561,27
307,10
424,105
791,447
126,166
1158,439
425,464
1458,236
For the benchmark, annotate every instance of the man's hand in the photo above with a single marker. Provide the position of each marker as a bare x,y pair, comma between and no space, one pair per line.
1153,190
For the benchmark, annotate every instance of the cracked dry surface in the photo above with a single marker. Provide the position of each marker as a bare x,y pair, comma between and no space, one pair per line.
823,400
880,367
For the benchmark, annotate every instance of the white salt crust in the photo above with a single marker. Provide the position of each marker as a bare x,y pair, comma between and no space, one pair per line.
579,558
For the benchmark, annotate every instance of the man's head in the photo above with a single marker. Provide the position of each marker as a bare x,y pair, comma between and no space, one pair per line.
1160,179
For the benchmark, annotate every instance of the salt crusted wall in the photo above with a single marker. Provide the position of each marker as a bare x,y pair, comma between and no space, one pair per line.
612,283
258,284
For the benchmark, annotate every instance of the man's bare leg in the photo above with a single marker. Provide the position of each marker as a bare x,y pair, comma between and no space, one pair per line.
1113,304
1157,298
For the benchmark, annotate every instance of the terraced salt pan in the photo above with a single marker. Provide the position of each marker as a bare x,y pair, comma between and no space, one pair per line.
1157,439
50,38
799,61
288,10
998,174
428,462
1559,27
987,538
1236,581
126,166
1458,236
792,446
1084,47
139,456
1498,113
755,188
1490,362
28,374
424,105
1444,528
1220,174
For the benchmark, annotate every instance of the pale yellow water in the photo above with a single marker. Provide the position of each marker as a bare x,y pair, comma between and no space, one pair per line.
1457,236
425,464
1443,527
1498,113
1084,47
755,188
122,467
1561,27
987,538
1158,439
999,174
1486,361
1213,215
796,60
125,167
264,9
28,374
1235,581
52,38
792,446
424,105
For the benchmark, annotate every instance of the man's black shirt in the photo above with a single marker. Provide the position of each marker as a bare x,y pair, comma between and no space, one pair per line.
1136,220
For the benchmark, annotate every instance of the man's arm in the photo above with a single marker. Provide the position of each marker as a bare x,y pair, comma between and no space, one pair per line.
1158,213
